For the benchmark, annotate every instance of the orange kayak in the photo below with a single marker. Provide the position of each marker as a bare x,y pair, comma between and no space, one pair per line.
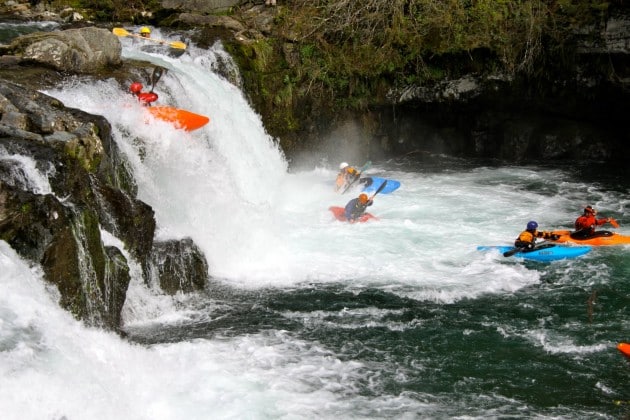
624,348
601,239
180,118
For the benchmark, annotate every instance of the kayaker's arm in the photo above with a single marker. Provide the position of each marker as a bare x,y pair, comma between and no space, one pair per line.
548,235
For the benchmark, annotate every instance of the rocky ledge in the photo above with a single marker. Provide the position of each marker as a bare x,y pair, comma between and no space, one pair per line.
66,190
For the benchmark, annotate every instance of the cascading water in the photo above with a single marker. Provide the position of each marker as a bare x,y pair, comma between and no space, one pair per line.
307,317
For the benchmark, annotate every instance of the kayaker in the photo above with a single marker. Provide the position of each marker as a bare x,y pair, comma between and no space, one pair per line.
145,32
347,175
585,224
527,239
146,98
357,206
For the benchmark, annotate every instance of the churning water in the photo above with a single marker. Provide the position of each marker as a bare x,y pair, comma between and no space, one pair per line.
307,317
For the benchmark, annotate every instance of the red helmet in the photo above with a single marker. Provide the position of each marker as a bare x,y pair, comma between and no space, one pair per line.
590,210
135,87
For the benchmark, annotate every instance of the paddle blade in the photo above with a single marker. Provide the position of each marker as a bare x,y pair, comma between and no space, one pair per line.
156,75
120,32
365,166
614,223
177,44
173,44
511,252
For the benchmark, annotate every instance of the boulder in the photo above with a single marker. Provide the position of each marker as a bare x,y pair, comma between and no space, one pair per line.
85,50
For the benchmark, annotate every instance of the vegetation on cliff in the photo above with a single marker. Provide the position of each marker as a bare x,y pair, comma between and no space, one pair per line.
321,58
331,56
110,10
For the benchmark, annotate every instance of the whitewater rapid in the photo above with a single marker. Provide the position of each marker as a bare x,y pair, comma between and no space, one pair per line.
263,228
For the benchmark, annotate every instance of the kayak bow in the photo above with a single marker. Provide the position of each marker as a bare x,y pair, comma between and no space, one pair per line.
180,118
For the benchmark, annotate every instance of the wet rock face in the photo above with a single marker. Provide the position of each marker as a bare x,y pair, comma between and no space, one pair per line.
54,164
510,135
179,266
62,182
199,6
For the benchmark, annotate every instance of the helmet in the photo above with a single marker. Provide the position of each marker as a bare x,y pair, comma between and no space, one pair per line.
532,225
145,30
135,87
363,198
343,165
589,210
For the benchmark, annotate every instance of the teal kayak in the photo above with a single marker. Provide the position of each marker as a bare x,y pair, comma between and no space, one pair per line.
545,252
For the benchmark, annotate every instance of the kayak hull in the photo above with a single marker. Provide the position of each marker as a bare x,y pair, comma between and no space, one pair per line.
624,348
339,213
612,239
551,253
392,185
180,118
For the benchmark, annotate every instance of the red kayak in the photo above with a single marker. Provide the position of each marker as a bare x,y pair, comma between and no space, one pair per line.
624,348
339,213
180,118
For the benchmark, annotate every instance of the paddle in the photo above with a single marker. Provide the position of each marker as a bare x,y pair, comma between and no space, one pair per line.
356,178
173,44
379,189
541,245
613,222
156,75
513,251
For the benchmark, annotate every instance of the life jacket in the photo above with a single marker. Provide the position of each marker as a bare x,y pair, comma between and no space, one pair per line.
351,171
147,97
350,174
345,177
355,209
585,222
527,236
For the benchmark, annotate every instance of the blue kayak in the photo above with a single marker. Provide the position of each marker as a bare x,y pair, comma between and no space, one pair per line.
373,182
546,252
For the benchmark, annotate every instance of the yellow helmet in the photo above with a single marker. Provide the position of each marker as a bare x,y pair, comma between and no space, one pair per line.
363,198
145,30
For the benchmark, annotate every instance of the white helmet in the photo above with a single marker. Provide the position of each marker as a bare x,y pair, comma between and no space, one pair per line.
343,165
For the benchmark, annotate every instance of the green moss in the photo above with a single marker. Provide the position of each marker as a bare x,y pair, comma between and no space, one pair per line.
91,228
343,63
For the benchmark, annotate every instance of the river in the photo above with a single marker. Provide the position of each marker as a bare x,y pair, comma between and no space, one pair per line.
307,317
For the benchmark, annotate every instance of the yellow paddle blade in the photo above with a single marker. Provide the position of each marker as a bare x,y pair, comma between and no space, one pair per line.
177,44
120,32
172,44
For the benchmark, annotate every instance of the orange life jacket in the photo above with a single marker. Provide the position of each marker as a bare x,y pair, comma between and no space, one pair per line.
588,222
526,236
